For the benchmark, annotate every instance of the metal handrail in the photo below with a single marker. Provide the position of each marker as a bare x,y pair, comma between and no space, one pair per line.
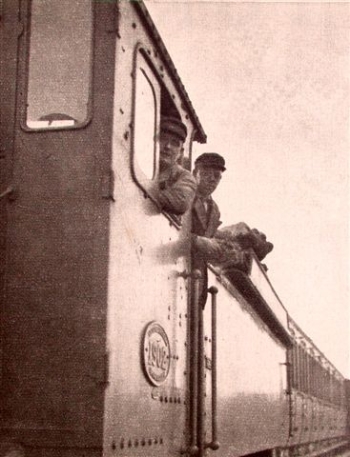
193,449
214,443
201,382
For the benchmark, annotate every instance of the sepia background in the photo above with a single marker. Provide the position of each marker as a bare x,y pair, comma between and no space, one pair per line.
270,83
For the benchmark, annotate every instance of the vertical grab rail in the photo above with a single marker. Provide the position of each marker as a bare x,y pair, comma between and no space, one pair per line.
201,383
193,449
214,443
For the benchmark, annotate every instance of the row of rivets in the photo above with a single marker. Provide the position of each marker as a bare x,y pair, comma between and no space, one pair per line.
170,399
134,26
137,442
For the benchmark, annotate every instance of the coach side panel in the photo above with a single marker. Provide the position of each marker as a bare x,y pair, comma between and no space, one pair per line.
252,383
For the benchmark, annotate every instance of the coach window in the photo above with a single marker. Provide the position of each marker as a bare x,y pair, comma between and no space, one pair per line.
60,50
146,121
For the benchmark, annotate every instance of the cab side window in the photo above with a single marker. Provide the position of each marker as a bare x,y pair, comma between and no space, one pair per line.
146,121
60,51
159,173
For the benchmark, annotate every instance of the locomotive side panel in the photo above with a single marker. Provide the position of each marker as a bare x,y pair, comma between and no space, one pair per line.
54,306
9,61
147,294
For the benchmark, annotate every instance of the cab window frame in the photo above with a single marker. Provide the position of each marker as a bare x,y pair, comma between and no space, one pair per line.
26,83
144,183
141,58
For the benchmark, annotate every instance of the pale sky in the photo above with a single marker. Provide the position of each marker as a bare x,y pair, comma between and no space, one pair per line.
270,84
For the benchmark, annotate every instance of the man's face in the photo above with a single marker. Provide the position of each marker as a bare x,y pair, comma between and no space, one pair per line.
170,150
208,179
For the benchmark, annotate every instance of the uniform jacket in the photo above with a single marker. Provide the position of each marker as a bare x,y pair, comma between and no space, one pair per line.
177,188
205,223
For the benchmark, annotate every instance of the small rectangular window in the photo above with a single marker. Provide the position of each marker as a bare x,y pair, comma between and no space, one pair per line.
59,63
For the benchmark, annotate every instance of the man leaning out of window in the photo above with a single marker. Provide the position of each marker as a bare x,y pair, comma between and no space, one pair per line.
177,186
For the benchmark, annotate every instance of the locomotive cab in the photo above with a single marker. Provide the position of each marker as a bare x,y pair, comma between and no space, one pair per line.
93,295
103,348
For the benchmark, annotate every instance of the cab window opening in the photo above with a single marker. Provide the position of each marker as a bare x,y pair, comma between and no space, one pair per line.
158,140
152,102
60,64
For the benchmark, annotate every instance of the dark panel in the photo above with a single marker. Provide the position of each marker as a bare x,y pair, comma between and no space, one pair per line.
54,312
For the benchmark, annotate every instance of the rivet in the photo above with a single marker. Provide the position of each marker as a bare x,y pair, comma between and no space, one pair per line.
122,112
161,398
113,445
136,443
179,400
206,338
134,25
129,443
171,399
122,444
156,441
150,442
161,68
166,399
185,373
143,442
161,441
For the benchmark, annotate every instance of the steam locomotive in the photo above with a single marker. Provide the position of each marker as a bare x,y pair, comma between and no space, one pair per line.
102,349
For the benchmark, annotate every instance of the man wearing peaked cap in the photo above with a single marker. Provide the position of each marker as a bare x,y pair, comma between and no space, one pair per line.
177,186
208,171
205,213
174,126
211,159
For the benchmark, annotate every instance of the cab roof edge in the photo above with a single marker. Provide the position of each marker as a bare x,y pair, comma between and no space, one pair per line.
139,5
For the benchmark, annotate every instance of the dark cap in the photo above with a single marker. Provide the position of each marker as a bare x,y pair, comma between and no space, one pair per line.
211,159
174,126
